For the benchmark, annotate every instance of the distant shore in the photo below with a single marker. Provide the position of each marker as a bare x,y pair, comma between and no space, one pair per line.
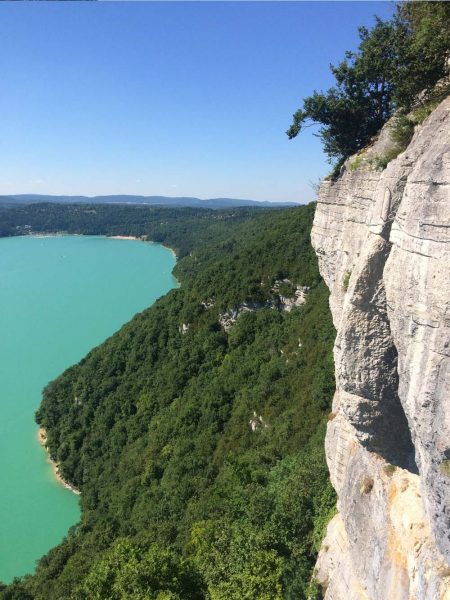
141,239
42,437
126,237
50,234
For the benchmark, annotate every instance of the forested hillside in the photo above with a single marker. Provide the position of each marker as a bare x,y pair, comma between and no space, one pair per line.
181,228
198,452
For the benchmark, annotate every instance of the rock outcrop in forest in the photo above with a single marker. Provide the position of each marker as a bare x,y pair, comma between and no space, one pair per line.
383,243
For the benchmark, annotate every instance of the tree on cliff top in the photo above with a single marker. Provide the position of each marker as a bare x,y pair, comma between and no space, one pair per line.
425,51
396,61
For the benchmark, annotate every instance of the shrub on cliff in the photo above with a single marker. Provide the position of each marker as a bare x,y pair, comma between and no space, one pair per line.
397,60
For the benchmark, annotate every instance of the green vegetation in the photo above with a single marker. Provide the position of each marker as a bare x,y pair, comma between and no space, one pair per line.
357,161
346,280
287,289
402,130
314,590
127,572
390,469
199,455
380,162
396,68
180,228
444,467
423,110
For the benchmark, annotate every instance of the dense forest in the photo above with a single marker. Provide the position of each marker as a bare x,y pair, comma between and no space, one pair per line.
198,451
179,228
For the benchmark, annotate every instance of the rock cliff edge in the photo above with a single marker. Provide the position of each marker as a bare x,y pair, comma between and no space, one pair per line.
383,243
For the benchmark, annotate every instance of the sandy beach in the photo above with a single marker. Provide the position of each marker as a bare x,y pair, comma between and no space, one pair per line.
174,254
125,237
141,239
42,437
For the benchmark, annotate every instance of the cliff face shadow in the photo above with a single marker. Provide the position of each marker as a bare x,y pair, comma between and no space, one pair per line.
368,374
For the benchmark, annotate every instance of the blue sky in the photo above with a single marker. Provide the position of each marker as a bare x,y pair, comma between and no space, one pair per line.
167,98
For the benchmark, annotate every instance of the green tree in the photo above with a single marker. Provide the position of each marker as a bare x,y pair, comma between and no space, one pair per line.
236,561
423,49
397,65
357,106
126,572
15,591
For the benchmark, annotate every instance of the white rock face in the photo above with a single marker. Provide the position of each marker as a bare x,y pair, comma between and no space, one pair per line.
383,243
287,303
278,302
229,318
184,328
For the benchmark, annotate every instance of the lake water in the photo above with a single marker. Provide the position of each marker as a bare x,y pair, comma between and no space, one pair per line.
59,297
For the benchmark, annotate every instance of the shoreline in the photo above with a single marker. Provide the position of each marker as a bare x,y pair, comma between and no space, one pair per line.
168,248
42,438
142,238
45,234
125,237
42,434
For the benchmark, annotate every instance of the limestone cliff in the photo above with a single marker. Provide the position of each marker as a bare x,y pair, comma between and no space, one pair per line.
383,242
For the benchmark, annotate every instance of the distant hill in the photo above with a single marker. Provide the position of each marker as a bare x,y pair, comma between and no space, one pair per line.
148,200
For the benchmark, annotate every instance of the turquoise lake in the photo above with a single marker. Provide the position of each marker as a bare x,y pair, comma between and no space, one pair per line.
59,297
